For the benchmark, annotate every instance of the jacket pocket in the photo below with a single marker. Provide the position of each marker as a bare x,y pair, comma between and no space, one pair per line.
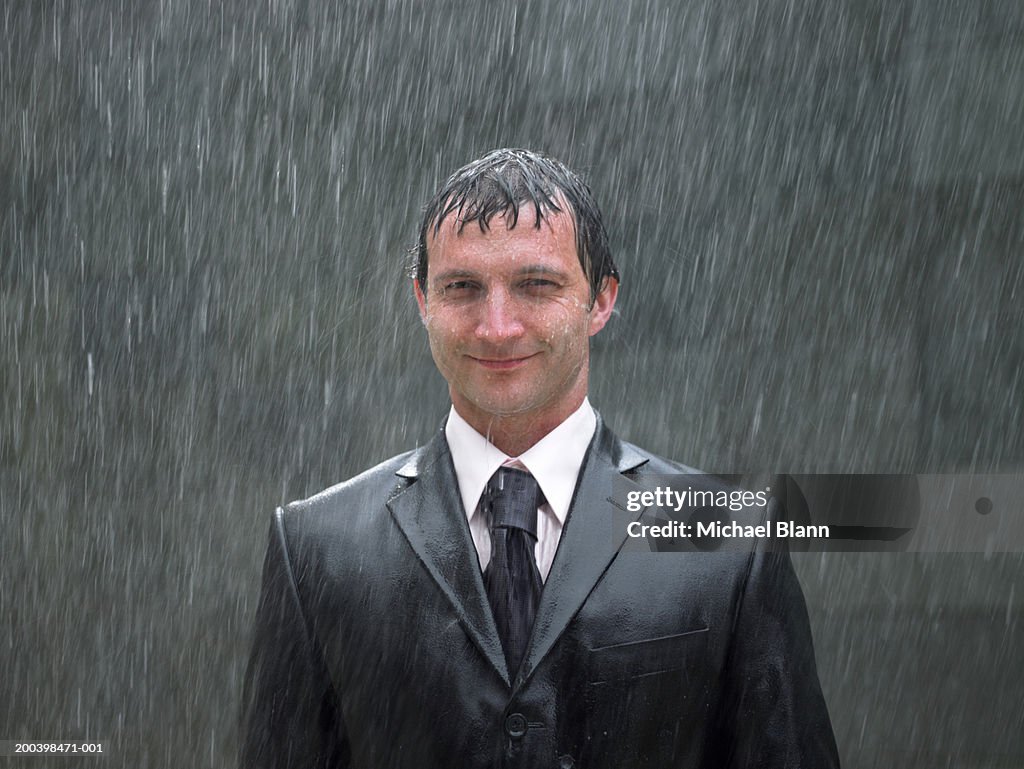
646,657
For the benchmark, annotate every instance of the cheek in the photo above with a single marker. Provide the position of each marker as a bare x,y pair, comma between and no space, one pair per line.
436,324
444,333
568,331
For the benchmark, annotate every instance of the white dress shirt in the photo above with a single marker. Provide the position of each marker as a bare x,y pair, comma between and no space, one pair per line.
554,461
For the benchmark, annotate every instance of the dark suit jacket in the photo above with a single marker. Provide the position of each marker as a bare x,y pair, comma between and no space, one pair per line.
374,644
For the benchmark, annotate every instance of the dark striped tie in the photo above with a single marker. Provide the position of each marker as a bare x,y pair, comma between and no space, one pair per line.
513,584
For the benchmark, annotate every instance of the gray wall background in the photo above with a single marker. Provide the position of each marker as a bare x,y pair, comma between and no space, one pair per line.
815,206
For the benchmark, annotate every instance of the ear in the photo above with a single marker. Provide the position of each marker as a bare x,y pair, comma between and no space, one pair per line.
421,300
604,303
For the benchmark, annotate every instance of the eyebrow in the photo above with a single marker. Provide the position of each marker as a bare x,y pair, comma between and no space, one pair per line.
530,269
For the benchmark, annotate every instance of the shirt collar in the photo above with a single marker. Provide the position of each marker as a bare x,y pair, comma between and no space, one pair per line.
554,461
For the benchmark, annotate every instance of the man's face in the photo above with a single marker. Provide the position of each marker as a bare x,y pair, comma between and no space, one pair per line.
509,319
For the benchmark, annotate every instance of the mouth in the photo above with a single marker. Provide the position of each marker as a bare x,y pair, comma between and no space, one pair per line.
502,364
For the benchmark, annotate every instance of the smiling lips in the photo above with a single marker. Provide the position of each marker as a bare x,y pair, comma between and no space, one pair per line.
501,364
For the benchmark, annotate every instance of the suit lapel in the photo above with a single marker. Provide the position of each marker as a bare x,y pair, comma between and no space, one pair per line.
587,545
429,512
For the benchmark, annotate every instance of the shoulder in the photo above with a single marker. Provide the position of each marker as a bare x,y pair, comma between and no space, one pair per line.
349,505
645,467
658,465
659,470
373,482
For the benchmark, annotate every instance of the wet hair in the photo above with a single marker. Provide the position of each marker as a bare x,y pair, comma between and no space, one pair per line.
503,181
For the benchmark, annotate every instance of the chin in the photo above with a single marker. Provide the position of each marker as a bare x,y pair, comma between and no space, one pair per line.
503,407
502,410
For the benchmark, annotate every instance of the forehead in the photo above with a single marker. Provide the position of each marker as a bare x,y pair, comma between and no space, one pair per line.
554,239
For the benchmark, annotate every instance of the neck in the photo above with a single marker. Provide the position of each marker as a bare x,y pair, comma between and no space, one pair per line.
514,434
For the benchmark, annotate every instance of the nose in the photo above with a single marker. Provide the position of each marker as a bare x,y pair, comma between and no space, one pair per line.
500,319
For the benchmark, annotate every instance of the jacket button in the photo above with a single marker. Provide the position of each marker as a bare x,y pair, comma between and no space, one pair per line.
515,725
566,762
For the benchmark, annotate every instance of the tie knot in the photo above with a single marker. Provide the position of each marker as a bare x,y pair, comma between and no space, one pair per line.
511,500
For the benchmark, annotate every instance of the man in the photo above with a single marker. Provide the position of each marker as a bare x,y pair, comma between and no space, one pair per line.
467,604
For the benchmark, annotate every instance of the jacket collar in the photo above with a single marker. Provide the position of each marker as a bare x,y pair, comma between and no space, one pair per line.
623,456
429,511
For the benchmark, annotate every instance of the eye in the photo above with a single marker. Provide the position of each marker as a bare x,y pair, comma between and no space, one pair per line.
458,288
536,286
